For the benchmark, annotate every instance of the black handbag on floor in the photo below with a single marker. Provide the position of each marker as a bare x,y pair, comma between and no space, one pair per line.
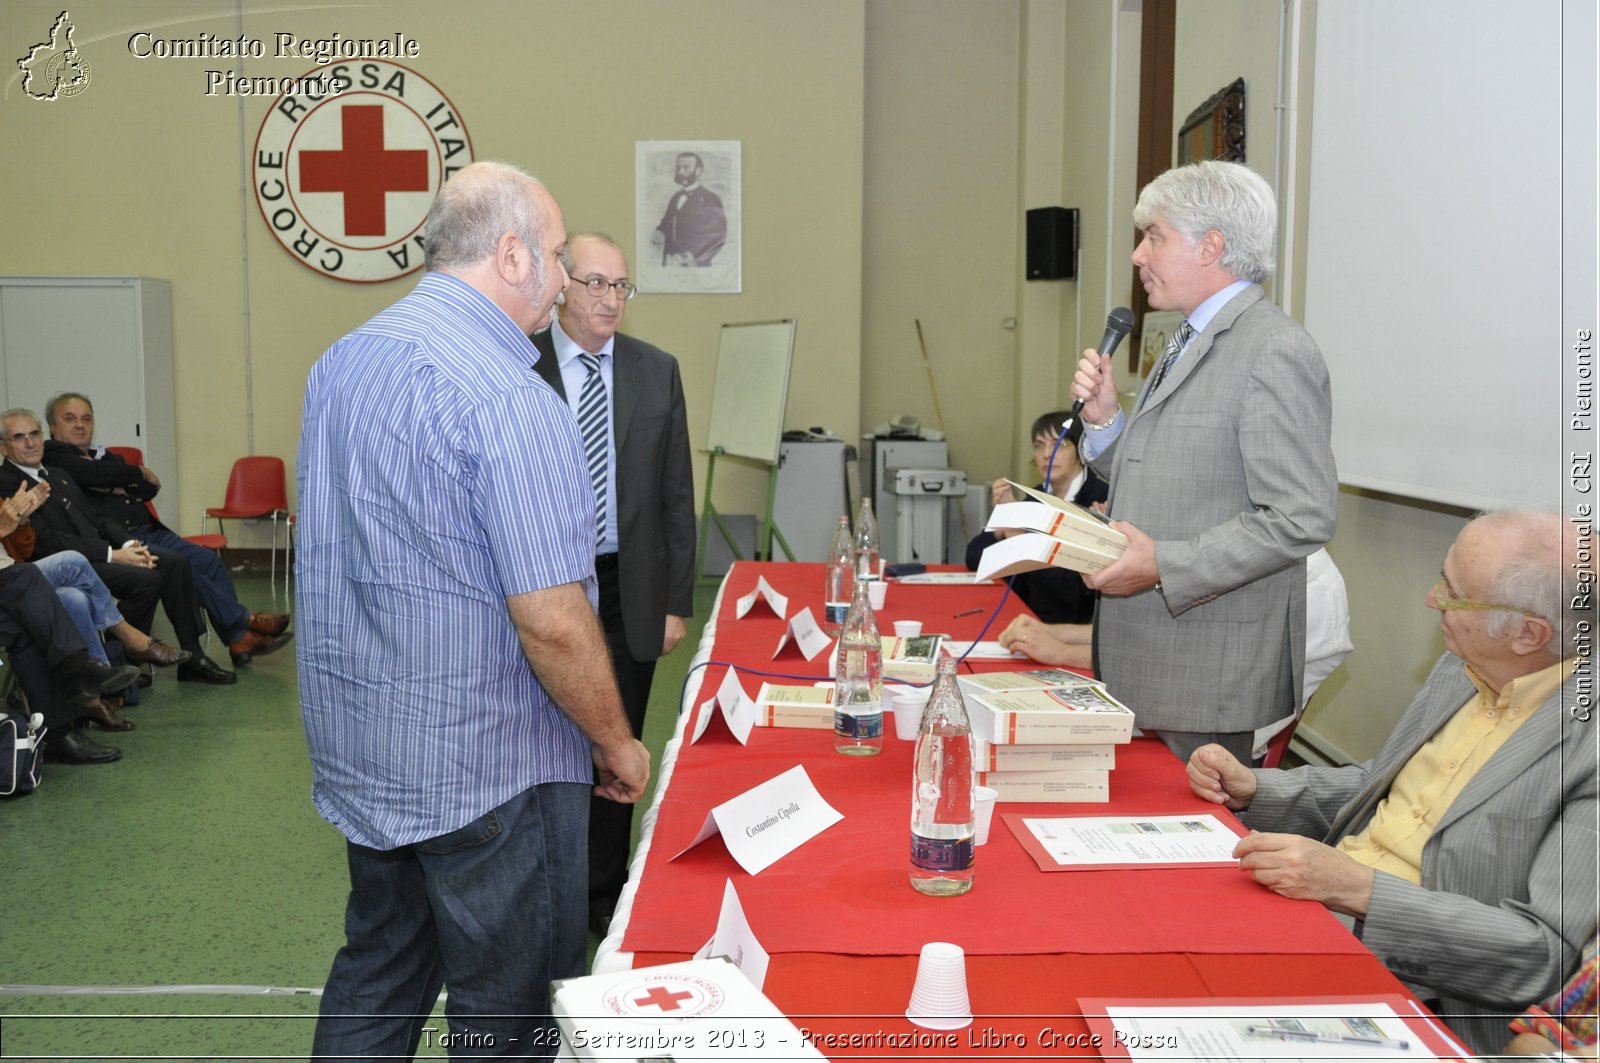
21,752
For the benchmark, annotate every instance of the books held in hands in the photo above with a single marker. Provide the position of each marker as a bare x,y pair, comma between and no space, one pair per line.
1056,532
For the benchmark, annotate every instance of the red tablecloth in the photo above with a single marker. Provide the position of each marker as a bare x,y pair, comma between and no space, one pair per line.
844,926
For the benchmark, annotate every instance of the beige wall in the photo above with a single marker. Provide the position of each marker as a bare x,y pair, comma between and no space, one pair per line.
141,173
889,150
941,223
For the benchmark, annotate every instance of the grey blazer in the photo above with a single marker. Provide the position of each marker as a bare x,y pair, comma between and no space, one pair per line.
655,487
1508,894
1230,470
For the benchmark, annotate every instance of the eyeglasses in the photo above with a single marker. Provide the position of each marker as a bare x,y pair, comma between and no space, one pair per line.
598,286
1445,601
23,437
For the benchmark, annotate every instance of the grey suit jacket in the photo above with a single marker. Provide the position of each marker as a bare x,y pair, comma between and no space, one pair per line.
1229,469
655,487
1508,894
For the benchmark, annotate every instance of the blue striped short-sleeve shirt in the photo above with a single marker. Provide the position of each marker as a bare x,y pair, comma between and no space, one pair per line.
438,475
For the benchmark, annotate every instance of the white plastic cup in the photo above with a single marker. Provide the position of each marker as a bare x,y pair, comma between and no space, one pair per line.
908,629
939,998
983,798
908,715
877,593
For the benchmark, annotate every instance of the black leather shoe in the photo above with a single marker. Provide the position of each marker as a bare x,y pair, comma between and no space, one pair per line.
203,669
105,717
72,746
89,678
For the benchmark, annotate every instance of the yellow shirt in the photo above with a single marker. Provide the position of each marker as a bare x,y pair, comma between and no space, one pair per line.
1422,792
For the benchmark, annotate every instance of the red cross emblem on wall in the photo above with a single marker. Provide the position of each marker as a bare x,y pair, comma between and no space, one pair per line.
363,170
344,179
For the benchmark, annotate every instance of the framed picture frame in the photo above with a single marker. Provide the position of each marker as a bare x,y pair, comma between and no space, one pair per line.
1215,129
687,215
1155,330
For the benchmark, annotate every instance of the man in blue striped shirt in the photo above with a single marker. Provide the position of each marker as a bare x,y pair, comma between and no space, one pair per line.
457,695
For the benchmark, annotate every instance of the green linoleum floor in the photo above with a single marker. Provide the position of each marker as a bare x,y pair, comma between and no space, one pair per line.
195,860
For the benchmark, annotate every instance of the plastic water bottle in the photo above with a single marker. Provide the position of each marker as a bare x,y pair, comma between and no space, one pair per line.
836,588
858,672
943,827
866,542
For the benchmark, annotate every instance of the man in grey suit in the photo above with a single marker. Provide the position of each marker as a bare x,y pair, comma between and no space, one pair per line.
1222,477
636,440
1464,851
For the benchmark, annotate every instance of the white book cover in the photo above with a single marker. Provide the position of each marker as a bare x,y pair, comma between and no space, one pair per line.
687,1012
1032,551
1061,785
1058,715
986,756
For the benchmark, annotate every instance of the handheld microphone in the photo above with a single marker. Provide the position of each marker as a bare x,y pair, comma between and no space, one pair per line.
1118,324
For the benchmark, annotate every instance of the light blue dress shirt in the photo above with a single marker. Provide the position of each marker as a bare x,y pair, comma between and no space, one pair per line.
438,475
573,375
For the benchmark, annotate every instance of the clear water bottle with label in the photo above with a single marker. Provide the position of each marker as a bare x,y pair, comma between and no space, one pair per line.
867,542
837,581
858,675
943,815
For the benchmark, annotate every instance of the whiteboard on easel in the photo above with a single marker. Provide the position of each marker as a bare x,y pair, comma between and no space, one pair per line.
751,389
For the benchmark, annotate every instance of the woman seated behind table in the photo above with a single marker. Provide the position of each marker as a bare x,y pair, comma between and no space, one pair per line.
1056,595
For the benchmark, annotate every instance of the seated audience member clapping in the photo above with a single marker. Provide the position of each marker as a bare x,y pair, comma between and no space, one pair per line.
1056,595
119,492
140,576
1464,852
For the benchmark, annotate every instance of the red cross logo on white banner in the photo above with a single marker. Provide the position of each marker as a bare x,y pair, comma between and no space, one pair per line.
345,180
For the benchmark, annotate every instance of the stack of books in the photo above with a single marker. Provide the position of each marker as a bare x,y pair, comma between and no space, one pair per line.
1045,734
1052,532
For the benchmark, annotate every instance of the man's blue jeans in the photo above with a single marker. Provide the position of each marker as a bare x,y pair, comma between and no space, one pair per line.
83,595
494,911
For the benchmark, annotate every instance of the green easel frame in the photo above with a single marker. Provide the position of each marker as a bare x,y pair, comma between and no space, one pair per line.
709,515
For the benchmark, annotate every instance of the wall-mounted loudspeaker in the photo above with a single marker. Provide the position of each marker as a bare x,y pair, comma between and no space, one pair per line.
1052,243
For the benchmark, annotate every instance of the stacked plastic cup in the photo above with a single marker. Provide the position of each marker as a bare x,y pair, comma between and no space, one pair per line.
939,998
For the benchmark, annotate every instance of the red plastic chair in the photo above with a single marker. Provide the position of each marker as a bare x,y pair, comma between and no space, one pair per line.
256,489
209,540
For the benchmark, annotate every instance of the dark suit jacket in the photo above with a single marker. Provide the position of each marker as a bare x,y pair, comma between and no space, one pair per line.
65,521
114,490
698,226
655,486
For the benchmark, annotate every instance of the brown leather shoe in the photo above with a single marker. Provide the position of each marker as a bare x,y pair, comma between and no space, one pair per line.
157,653
255,643
269,623
105,717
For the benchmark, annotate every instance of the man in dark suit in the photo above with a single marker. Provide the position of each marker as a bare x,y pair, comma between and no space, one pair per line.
1464,851
120,492
695,226
137,575
1222,476
636,441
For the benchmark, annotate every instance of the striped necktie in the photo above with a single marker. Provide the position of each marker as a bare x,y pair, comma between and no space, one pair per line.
1179,340
592,424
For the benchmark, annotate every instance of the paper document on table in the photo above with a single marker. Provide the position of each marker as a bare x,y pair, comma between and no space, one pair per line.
939,579
1385,1027
1080,843
778,603
986,650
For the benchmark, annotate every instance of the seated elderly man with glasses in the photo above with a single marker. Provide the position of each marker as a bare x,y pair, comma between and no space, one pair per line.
1464,852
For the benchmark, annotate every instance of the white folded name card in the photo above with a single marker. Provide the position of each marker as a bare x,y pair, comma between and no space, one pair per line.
806,634
732,705
777,602
769,821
